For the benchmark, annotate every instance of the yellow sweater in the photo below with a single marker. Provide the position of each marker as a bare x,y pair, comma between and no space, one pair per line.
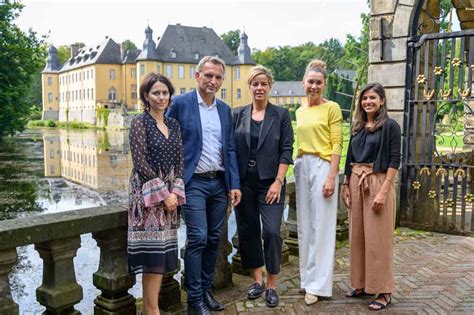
319,130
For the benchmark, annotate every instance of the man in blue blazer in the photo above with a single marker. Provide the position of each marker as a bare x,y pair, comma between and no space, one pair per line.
211,176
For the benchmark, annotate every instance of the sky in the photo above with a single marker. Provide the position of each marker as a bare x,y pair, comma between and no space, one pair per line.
267,23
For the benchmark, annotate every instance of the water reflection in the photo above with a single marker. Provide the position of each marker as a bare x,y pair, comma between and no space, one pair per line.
61,170
96,159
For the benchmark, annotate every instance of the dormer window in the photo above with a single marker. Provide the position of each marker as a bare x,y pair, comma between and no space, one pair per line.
196,56
290,92
173,53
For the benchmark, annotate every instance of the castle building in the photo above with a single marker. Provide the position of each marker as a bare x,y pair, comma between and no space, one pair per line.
103,75
288,93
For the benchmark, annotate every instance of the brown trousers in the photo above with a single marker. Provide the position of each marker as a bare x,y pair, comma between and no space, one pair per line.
370,232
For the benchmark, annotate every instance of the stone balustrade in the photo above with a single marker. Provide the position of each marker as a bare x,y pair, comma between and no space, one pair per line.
56,237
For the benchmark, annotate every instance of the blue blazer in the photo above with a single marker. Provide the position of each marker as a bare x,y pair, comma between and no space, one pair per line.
185,109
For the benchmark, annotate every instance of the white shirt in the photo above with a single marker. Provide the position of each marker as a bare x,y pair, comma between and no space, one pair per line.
211,156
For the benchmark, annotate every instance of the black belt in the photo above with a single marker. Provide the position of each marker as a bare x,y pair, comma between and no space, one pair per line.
210,174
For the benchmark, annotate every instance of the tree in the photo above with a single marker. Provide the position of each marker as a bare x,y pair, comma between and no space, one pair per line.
128,45
21,56
232,40
64,53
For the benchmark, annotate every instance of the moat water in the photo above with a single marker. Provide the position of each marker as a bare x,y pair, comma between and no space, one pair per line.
49,171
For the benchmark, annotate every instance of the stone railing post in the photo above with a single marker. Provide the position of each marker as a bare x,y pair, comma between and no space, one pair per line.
182,252
342,228
112,276
285,251
59,291
291,223
223,273
170,295
8,258
237,259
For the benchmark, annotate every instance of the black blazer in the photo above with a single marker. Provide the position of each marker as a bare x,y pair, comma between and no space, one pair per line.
275,143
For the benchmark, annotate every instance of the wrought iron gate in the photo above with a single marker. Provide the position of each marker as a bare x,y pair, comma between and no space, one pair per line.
437,191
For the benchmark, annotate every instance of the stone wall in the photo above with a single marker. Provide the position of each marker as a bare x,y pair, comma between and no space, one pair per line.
389,31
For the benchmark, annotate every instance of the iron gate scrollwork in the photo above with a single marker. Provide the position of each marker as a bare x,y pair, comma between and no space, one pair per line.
437,191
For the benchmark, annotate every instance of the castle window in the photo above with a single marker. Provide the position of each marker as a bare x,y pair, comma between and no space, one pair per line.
50,97
158,70
239,94
142,69
169,71
182,90
112,74
181,71
237,73
173,53
112,94
192,70
133,72
134,91
223,94
50,81
196,56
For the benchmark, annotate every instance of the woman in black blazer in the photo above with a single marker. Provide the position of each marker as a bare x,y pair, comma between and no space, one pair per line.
264,140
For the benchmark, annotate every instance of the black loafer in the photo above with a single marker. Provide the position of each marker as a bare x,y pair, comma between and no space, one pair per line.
271,298
256,291
199,309
211,302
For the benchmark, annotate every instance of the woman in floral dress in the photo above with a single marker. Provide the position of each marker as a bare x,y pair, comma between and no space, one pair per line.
156,189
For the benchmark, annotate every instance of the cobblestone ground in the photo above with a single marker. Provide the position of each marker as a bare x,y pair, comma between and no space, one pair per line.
434,275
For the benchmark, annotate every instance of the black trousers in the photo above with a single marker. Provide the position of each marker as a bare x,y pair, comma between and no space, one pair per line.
249,212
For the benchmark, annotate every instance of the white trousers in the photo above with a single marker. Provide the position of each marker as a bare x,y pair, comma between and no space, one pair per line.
316,225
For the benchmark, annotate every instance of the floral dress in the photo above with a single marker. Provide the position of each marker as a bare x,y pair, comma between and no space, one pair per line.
158,166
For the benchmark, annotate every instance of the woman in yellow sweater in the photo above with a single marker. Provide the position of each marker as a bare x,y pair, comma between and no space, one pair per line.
319,142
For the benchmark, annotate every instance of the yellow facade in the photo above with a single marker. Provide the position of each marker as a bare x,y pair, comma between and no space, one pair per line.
290,100
129,83
89,158
50,90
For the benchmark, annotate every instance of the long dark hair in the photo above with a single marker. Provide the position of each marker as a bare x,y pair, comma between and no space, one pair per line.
148,82
360,116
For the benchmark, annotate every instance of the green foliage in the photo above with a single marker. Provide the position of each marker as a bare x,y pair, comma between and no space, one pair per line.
289,63
128,45
75,125
103,113
22,55
42,123
35,113
232,40
36,123
64,53
51,123
356,52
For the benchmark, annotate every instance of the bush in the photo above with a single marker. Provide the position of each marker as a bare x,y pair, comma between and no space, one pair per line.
36,123
51,123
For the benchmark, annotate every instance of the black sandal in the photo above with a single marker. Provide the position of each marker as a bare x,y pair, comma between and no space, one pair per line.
356,293
380,305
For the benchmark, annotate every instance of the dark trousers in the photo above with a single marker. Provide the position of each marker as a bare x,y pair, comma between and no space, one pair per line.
204,214
248,213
